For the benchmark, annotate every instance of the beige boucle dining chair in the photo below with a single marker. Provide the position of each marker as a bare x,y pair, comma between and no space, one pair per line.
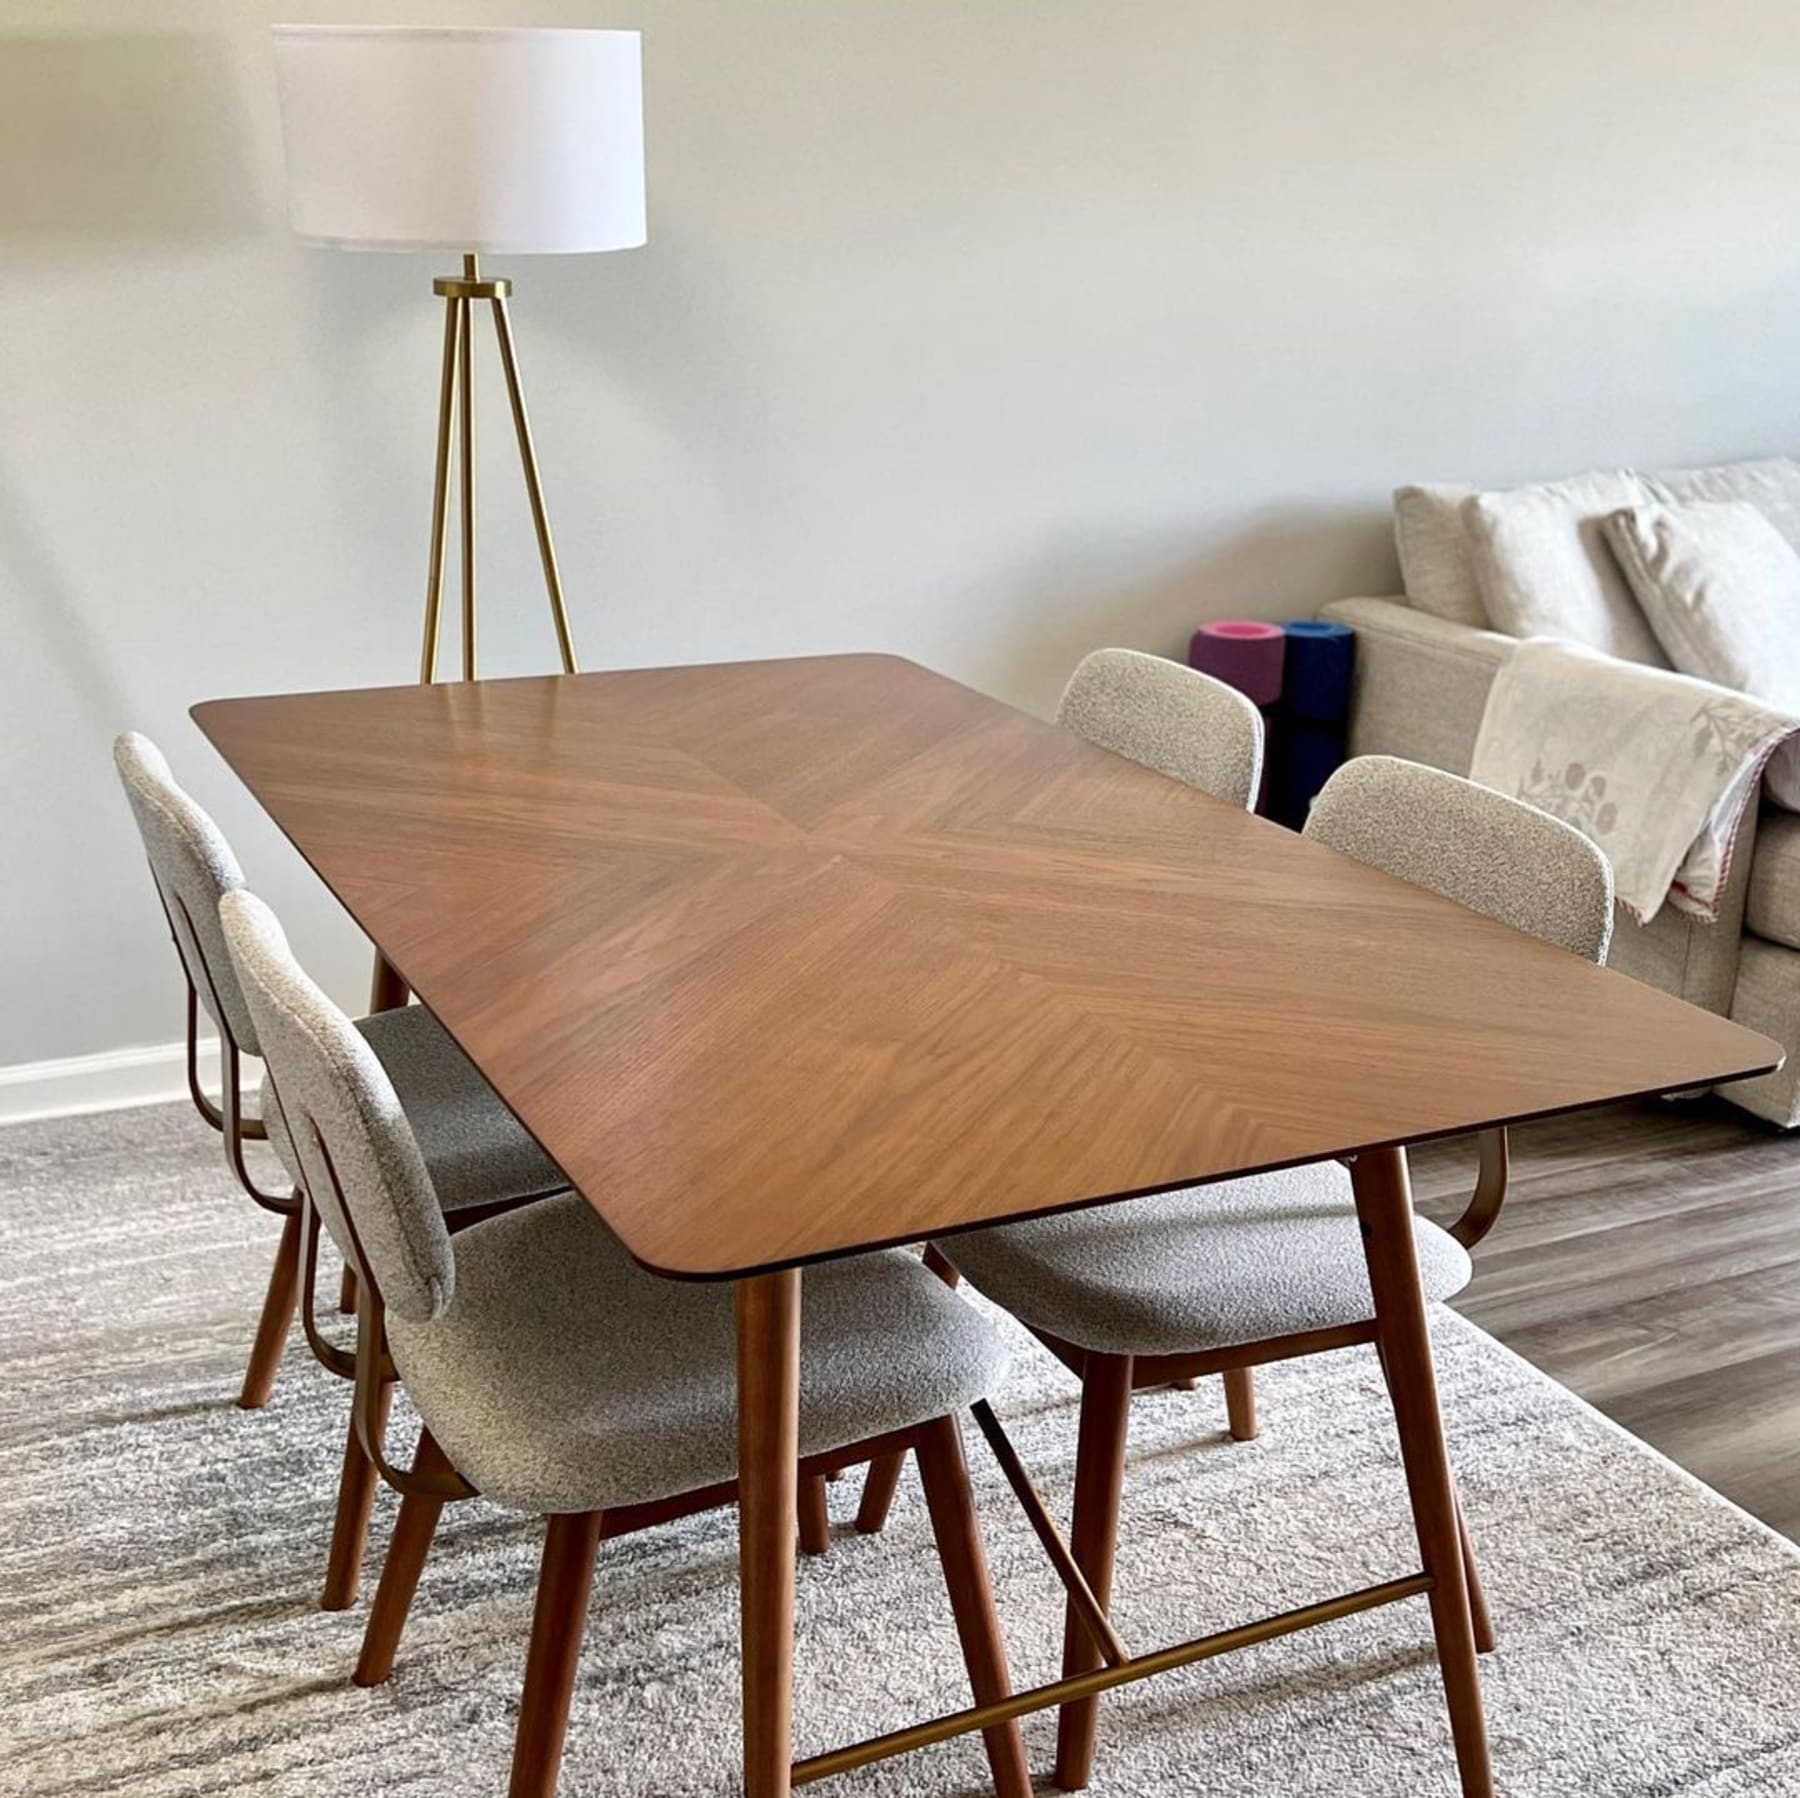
1176,720
1245,1272
480,1156
555,1376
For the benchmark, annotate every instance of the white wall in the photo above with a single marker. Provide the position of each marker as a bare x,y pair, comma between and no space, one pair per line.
982,330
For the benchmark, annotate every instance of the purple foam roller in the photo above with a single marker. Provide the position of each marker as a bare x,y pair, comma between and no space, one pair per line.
1243,653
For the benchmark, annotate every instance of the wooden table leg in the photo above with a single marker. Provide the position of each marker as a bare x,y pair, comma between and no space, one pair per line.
1093,1539
1384,1208
387,991
1485,1639
768,1385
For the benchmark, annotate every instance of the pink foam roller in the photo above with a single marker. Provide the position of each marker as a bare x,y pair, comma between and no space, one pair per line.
1243,653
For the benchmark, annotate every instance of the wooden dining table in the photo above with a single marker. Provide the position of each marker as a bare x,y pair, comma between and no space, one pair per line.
783,961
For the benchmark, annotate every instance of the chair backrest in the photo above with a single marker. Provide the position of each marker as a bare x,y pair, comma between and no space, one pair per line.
1174,719
370,1185
193,868
1496,855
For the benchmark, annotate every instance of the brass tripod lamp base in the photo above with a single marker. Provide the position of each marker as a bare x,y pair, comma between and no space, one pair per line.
456,421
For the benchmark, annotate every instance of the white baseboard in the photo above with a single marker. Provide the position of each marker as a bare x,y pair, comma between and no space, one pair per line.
110,1081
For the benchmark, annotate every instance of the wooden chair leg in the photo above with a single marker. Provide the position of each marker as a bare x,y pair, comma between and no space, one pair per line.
815,1517
1240,1403
350,1531
565,1578
277,1316
347,1293
1099,1480
879,1485
400,1571
1485,1639
952,1506
882,1480
1384,1209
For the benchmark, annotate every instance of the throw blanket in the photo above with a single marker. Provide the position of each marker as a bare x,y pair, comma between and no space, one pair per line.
1656,768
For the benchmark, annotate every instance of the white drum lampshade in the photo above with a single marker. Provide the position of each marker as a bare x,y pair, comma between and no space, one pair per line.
510,141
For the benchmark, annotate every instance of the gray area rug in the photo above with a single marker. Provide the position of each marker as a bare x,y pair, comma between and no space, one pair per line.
160,1552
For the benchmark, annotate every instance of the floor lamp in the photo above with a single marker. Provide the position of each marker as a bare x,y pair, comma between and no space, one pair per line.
484,141
495,141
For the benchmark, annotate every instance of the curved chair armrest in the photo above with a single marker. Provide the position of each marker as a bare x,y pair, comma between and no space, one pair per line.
202,1104
238,1130
325,1352
1483,1210
228,1116
375,1370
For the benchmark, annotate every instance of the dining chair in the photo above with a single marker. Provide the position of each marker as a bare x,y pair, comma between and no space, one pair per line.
480,1156
556,1377
1245,1272
1176,720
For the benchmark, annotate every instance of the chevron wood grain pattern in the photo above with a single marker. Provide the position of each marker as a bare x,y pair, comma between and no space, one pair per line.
780,960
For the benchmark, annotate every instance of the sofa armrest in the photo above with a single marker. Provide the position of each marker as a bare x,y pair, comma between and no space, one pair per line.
1421,682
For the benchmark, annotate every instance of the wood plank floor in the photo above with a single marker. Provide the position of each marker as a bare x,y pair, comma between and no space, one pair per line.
1649,1259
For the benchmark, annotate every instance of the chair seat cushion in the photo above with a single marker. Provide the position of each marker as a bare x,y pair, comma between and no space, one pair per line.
562,1377
1207,1267
477,1152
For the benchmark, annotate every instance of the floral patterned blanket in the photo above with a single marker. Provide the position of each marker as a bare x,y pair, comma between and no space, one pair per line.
1657,768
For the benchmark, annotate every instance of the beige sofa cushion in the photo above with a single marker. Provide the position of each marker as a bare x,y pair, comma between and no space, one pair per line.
1434,554
1541,556
1773,908
1720,586
1768,999
1772,486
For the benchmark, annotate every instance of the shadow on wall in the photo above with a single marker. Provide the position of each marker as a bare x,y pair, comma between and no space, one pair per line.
108,138
123,137
1282,565
31,575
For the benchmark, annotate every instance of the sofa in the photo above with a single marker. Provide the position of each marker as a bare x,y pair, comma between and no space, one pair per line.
1427,657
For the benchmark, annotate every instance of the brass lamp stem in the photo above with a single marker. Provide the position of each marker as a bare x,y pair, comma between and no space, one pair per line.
465,449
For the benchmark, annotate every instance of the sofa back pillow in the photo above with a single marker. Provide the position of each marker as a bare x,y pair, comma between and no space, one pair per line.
1771,485
1545,569
1434,554
1720,585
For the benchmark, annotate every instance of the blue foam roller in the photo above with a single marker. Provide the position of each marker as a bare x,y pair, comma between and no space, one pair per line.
1310,755
1316,680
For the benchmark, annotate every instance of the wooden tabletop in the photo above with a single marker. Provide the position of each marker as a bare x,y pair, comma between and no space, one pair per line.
780,960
